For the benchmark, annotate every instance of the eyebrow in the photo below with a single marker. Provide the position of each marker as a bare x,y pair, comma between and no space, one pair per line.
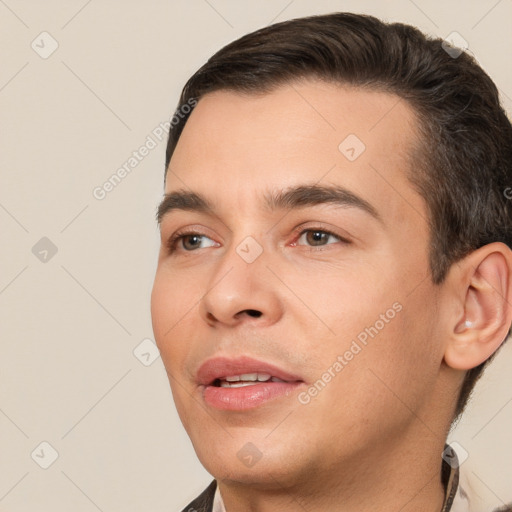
314,195
294,198
183,200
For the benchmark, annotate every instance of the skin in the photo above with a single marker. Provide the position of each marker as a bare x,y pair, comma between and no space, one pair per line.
371,439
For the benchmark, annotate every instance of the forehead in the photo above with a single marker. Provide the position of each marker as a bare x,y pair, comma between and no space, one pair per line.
237,145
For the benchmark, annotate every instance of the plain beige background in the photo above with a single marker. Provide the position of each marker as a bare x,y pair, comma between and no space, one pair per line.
72,371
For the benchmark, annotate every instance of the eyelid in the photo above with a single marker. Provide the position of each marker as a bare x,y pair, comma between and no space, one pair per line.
297,233
318,226
323,231
183,232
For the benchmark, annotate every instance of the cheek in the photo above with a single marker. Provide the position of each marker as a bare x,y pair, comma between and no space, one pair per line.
345,298
173,300
171,309
403,358
174,295
376,324
380,379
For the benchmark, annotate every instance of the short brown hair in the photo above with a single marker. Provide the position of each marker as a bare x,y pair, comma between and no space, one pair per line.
464,163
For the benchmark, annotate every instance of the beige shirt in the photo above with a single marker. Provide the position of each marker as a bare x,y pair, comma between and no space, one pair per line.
218,504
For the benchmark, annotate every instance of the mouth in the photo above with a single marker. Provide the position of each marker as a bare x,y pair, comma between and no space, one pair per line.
246,379
243,383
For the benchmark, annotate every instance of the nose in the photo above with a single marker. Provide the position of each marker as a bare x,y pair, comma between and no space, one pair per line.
240,292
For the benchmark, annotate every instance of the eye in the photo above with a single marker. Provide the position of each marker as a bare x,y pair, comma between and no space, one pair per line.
190,242
317,237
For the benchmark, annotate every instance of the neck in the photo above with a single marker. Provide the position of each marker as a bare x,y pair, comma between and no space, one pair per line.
391,478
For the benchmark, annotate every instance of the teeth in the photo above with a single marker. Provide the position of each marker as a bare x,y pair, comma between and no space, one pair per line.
252,377
246,379
225,384
249,376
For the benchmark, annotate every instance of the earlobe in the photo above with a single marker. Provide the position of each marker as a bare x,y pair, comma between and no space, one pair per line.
485,284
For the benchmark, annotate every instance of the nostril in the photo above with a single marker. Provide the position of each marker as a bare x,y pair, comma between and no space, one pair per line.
253,312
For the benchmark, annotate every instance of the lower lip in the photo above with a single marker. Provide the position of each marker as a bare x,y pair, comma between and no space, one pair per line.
247,397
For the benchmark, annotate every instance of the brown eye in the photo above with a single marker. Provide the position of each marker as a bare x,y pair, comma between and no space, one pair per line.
189,242
317,237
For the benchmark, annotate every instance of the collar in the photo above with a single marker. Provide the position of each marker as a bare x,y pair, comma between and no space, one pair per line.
218,504
450,479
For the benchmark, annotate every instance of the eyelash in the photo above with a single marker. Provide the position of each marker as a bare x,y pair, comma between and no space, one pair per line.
299,232
180,235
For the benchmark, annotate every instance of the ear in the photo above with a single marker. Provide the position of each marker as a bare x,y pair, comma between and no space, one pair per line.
483,284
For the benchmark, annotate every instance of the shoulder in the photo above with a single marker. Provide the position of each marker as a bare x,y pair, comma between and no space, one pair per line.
477,495
204,502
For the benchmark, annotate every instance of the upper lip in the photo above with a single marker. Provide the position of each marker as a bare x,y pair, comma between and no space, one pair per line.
220,367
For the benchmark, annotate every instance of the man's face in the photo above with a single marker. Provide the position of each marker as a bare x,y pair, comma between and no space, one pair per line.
328,289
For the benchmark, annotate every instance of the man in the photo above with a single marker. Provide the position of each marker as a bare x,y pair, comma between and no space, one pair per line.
335,269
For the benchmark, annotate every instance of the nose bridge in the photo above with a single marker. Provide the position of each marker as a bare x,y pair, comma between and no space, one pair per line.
244,257
241,283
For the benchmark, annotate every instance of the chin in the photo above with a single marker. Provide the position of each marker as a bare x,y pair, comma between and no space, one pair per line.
246,460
